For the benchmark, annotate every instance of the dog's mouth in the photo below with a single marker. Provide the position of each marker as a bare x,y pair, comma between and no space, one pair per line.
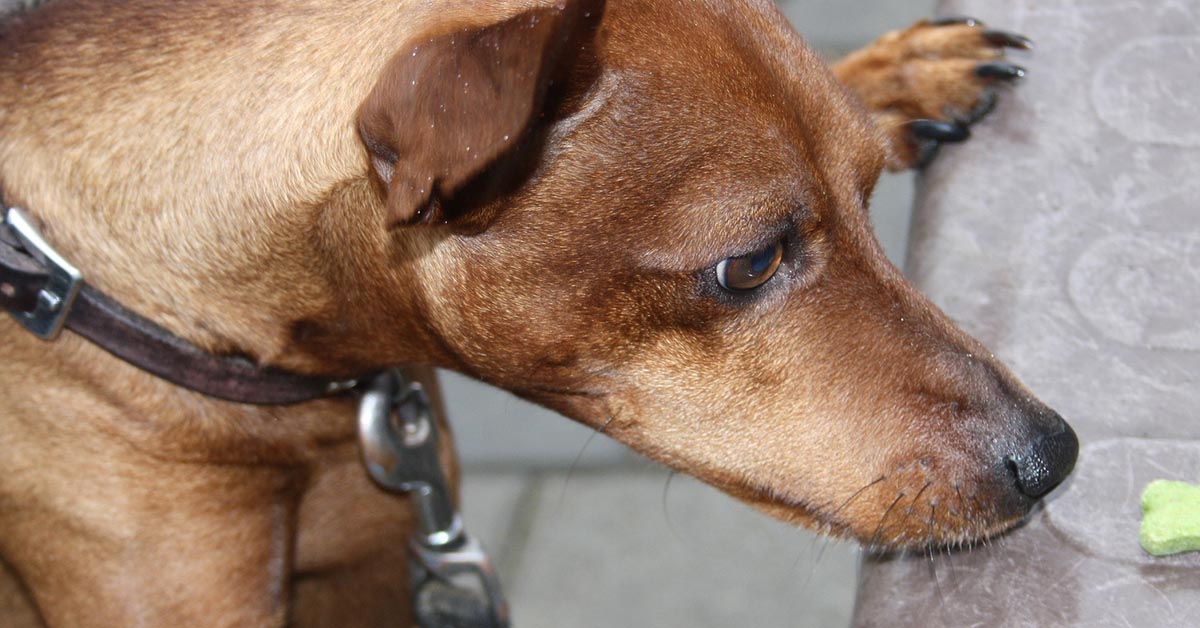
883,517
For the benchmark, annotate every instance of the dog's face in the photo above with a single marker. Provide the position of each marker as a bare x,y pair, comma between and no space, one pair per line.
651,216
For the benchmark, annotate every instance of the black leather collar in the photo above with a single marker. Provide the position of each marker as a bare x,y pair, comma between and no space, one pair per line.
32,286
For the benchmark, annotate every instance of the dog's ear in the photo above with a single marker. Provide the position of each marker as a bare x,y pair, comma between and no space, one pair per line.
448,108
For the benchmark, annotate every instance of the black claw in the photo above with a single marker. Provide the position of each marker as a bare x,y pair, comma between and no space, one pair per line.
953,20
939,131
987,102
1000,70
1007,39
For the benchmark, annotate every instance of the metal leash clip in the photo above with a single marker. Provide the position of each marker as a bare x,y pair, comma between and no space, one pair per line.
454,582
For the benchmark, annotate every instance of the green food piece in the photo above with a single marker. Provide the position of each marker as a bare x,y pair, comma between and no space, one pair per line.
1170,518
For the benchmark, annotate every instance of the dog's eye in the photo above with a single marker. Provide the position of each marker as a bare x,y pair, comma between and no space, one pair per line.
747,272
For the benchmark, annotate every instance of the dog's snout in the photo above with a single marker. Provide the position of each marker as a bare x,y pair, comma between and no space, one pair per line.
1044,460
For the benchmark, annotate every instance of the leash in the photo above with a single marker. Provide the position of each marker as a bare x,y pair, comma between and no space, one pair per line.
453,583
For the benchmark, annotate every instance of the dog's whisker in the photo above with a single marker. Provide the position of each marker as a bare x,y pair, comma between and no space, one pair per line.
812,548
821,552
966,511
917,497
937,584
812,570
856,494
666,511
934,575
579,456
930,537
882,520
950,565
981,529
908,513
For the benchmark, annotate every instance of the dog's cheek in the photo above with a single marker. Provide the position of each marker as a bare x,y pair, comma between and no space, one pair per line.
766,406
709,403
550,315
499,307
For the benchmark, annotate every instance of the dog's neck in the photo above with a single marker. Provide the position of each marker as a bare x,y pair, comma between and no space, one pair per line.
212,236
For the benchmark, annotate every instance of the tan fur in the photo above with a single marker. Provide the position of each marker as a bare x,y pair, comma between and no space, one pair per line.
202,162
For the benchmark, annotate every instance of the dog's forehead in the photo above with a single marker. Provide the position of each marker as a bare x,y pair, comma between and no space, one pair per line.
722,56
742,126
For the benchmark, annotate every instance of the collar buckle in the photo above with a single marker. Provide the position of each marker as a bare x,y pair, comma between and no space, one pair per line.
55,299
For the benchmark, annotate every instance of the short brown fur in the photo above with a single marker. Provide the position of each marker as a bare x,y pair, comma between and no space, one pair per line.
254,176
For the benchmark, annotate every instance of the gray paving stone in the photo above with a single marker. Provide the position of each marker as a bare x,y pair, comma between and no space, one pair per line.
621,548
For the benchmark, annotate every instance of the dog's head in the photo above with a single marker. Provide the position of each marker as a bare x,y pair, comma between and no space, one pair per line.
651,216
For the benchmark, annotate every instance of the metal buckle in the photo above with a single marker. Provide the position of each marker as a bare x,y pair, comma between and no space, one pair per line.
399,438
55,299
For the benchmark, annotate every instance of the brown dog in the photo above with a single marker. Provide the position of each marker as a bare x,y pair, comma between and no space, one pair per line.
646,214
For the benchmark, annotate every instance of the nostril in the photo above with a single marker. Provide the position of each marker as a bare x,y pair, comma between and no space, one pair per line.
1014,468
1045,462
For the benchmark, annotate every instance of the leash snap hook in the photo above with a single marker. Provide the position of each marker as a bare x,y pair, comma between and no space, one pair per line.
454,581
55,299
399,440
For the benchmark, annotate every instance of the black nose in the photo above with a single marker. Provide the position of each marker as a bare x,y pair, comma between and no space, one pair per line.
1045,460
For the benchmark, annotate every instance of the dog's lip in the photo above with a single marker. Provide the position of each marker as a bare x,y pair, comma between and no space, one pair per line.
800,513
965,542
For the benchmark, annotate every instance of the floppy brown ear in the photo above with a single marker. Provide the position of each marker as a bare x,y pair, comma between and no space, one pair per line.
447,108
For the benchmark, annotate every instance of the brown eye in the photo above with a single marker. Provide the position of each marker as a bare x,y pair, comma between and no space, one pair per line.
747,272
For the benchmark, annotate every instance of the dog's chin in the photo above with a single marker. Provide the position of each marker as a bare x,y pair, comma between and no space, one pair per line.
915,537
587,405
965,540
886,527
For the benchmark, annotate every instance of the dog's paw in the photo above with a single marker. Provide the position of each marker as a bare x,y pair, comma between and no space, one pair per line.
927,84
